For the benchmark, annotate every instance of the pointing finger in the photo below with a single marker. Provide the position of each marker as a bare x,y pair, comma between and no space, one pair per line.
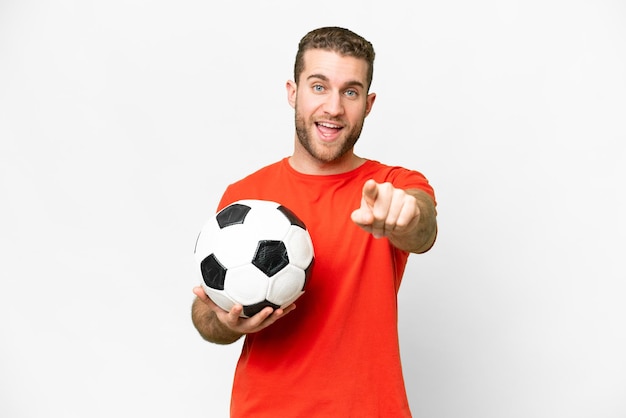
370,192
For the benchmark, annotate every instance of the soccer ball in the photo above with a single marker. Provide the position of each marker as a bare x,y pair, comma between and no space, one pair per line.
255,253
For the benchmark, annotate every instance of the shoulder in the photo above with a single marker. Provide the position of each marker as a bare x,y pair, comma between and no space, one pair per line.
268,170
255,185
265,174
400,177
392,173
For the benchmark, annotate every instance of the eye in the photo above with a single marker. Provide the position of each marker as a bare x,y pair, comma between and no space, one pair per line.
318,88
351,93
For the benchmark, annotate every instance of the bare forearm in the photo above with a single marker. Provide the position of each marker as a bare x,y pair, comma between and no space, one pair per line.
209,326
421,237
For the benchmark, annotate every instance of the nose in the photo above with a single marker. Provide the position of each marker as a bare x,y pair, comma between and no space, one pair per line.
333,104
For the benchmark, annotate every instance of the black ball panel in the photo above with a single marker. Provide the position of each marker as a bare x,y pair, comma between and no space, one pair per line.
293,219
270,257
232,215
307,272
213,273
251,310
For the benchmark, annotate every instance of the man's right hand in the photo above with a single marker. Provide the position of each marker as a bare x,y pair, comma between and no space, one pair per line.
222,327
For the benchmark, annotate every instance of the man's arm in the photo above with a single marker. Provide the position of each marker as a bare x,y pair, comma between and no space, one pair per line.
210,328
220,327
408,218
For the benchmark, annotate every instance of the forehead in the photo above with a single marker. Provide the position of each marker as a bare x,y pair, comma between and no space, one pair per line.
334,67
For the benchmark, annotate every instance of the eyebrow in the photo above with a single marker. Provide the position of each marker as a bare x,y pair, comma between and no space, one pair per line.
322,77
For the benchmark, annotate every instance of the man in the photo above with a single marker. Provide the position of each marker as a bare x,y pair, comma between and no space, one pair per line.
337,355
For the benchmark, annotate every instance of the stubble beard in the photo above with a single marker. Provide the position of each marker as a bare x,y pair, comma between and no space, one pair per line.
330,153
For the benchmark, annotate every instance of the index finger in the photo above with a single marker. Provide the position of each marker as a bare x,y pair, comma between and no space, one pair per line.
370,192
199,292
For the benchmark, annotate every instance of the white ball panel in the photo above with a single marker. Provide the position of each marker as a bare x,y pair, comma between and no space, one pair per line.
236,246
266,222
220,298
286,284
246,284
299,247
206,241
292,299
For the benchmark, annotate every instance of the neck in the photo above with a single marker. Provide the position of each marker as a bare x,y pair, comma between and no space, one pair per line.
306,164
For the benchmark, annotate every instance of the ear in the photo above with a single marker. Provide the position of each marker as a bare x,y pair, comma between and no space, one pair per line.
292,92
369,102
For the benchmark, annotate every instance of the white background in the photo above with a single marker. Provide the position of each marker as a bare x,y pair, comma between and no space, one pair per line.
122,121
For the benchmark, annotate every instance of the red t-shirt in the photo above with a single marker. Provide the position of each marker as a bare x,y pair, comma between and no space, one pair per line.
337,354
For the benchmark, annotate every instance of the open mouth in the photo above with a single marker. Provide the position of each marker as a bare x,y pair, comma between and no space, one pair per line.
327,130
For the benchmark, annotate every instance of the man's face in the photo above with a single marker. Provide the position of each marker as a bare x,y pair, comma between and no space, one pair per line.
331,103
